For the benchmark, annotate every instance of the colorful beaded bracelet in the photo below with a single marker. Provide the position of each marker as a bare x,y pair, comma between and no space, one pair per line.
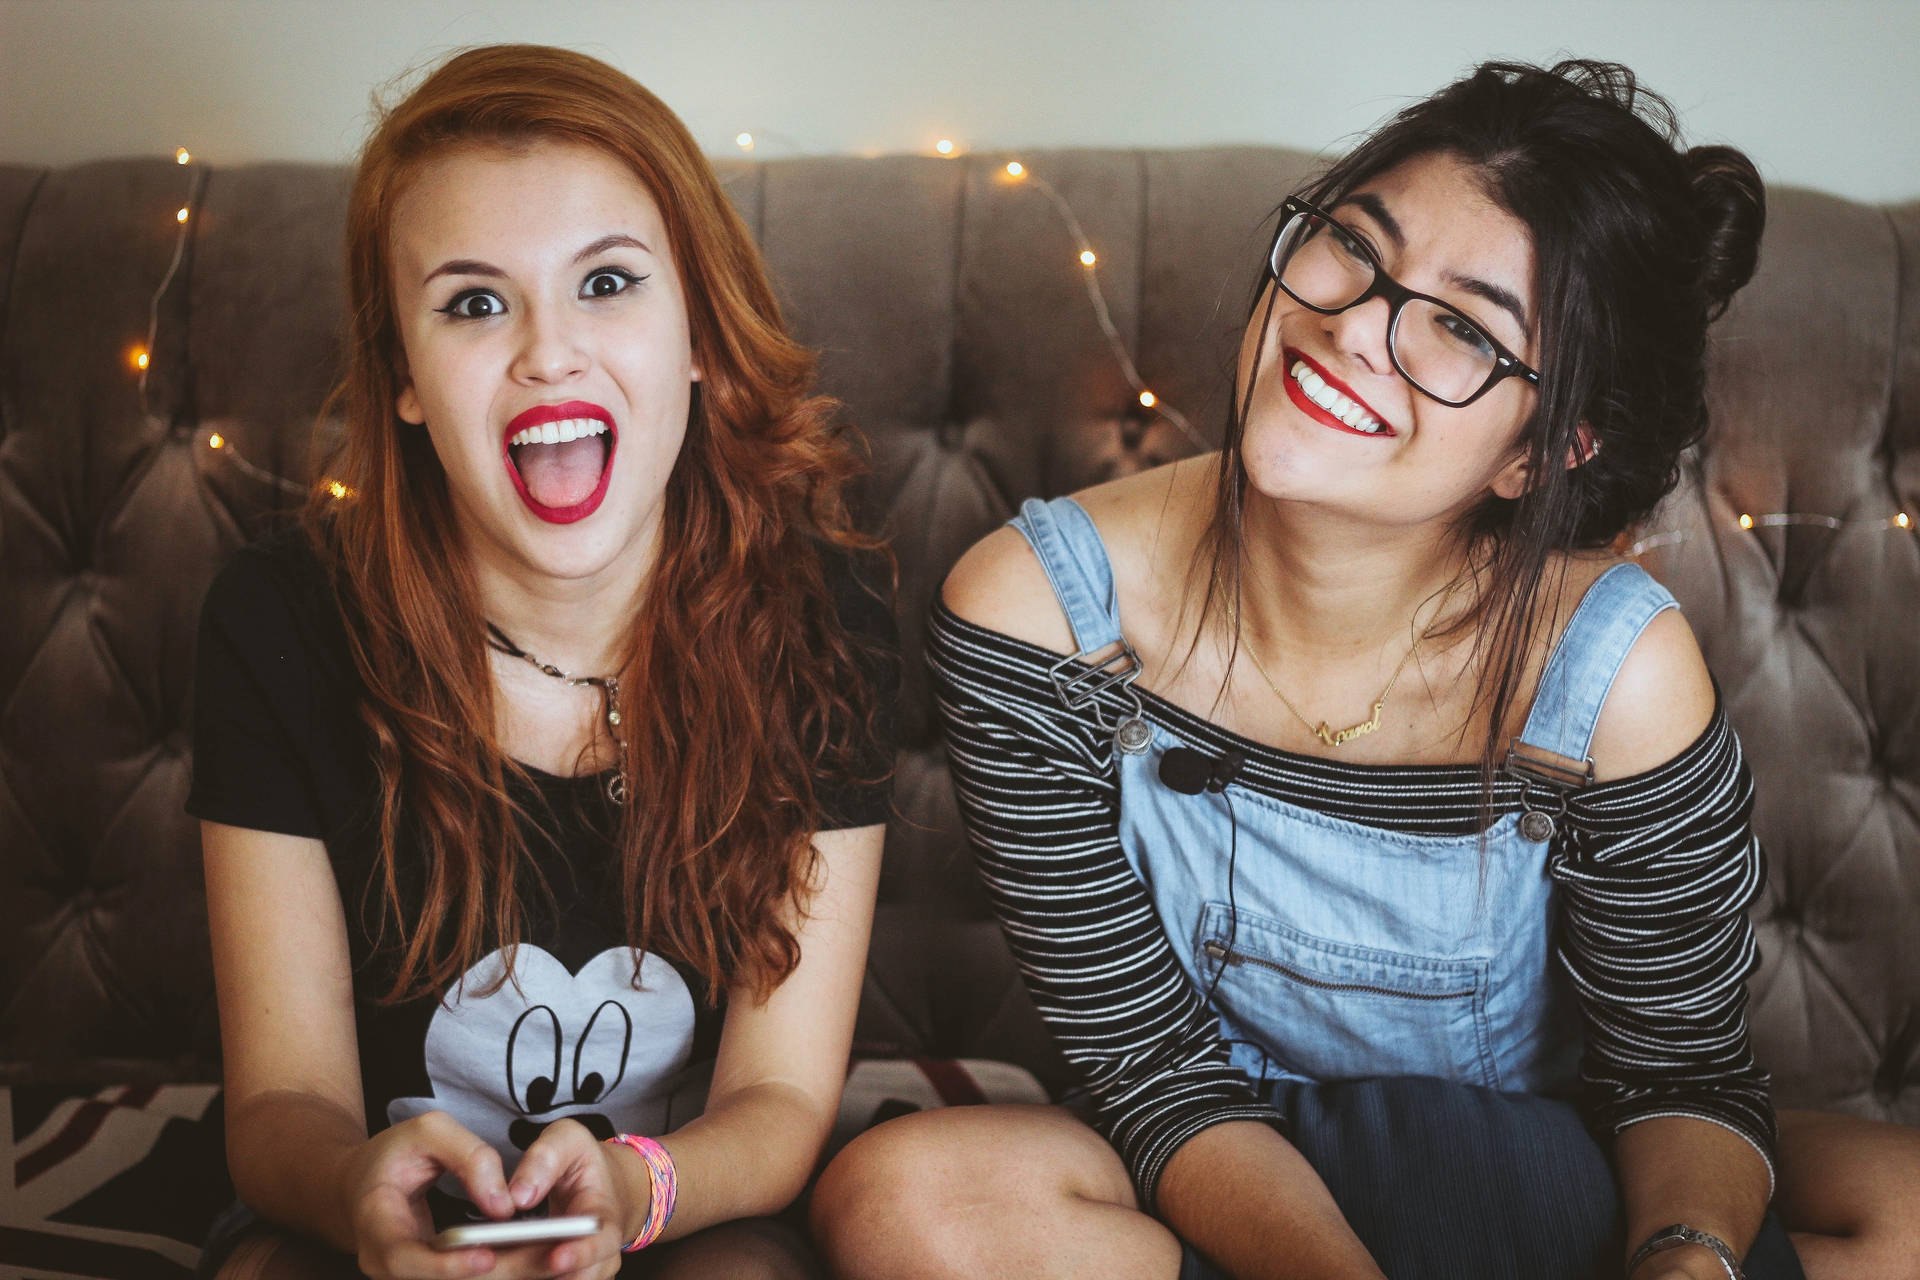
663,1186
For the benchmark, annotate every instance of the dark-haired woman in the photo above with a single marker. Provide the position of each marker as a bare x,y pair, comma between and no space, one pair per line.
542,774
1370,836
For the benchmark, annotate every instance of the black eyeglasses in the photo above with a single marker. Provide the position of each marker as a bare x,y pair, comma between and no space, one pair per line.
1327,268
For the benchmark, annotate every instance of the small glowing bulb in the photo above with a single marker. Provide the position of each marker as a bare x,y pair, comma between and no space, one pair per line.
181,155
1148,400
1903,520
1746,521
1015,169
743,140
944,146
181,216
140,357
337,489
216,441
1087,258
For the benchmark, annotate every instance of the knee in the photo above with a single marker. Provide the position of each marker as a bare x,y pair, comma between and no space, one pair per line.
884,1206
267,1253
1886,1238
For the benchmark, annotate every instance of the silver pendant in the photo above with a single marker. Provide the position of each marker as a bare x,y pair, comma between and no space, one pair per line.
1536,825
617,787
1132,736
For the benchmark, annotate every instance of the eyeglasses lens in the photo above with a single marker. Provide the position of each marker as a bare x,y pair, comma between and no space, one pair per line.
1442,352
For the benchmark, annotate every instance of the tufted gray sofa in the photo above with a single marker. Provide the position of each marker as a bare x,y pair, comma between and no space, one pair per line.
953,321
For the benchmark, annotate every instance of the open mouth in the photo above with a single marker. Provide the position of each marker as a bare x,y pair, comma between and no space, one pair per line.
561,457
1328,401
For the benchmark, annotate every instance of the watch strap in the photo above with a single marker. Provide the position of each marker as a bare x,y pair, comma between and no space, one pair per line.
1680,1234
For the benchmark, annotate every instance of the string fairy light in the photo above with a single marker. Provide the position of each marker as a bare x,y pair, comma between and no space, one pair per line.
1019,173
139,356
1747,522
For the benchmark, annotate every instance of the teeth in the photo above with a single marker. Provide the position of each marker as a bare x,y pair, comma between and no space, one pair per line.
1333,402
559,432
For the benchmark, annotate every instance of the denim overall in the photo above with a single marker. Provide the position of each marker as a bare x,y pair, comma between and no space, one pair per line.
1395,995
1358,952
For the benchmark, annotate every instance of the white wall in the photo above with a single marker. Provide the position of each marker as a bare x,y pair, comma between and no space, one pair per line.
1822,94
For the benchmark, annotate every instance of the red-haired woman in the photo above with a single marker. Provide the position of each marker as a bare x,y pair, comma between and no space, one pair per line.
542,775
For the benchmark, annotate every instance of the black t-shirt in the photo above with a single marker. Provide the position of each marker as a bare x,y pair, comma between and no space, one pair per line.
279,746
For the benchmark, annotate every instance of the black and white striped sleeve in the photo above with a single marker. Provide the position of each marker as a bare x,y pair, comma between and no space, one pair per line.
1037,789
1656,937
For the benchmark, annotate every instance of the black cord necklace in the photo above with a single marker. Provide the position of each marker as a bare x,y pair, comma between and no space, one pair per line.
609,687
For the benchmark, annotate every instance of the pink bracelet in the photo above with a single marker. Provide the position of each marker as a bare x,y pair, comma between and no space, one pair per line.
663,1186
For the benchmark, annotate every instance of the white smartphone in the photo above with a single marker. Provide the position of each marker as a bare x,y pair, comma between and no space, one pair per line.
473,1235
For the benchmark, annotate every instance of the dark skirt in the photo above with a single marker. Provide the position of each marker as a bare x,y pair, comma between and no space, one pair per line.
1444,1180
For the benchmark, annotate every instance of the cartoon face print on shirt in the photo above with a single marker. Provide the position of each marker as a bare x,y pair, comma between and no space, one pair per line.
551,1044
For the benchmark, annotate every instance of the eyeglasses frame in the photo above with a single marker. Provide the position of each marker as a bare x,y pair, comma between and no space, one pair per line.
1506,364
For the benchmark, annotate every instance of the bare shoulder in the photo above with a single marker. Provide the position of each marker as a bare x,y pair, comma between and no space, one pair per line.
999,583
1660,702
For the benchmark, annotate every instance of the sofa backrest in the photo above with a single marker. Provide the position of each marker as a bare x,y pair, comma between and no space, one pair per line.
953,321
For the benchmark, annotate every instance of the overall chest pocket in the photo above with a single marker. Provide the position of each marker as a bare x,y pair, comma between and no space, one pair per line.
1338,1011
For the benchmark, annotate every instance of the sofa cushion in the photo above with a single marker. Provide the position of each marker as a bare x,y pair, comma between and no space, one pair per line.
124,1181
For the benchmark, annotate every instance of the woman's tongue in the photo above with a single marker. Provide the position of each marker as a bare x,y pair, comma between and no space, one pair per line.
561,475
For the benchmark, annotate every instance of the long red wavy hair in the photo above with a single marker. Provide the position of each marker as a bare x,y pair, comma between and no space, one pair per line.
742,687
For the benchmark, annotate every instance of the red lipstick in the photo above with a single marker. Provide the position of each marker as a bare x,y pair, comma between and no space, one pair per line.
1298,394
540,415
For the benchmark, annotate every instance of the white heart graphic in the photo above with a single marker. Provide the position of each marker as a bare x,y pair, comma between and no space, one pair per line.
549,1044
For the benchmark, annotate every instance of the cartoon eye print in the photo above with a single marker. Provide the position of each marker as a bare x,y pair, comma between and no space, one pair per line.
533,1060
604,1044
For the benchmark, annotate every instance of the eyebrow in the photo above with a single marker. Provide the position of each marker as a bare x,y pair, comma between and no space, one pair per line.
486,270
1374,207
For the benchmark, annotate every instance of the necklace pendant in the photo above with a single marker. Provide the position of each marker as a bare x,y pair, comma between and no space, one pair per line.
1132,735
1338,737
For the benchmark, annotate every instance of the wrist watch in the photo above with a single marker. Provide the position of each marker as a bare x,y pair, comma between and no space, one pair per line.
1680,1234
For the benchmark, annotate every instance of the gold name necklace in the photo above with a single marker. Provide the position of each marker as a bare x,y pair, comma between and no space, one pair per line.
1325,732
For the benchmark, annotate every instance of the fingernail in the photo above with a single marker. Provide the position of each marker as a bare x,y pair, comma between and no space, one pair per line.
522,1195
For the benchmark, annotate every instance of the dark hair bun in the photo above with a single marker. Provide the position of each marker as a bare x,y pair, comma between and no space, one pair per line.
1732,203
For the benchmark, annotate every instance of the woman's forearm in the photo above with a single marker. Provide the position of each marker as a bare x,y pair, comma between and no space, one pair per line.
749,1154
1679,1169
288,1153
1245,1196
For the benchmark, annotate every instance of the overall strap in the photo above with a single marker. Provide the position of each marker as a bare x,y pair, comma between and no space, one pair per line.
1581,670
1068,545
